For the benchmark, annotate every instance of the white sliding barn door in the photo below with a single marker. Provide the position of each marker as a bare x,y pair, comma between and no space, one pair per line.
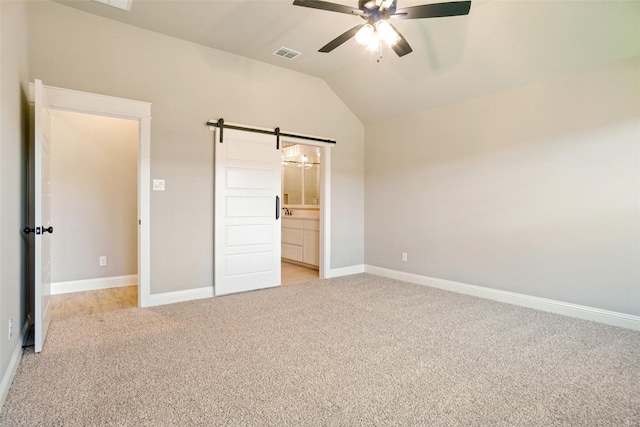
247,212
41,203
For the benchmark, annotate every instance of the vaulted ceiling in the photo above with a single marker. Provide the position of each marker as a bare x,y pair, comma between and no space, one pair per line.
500,45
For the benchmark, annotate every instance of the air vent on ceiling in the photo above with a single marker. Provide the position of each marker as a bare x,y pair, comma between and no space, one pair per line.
120,4
286,53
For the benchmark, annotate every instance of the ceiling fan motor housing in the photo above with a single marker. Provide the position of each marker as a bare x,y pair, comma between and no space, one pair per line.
372,8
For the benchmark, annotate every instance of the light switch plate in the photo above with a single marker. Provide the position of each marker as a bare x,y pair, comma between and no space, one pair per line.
158,185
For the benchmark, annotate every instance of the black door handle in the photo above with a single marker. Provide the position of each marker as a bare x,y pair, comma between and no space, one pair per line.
277,207
38,230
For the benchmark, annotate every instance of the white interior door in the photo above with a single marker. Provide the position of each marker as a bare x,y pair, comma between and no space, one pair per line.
247,212
42,197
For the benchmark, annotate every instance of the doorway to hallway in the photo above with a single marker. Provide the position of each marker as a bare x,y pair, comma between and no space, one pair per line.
46,99
93,204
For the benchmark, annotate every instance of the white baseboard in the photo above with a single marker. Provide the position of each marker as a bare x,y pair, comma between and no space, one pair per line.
12,368
178,296
346,271
559,307
93,284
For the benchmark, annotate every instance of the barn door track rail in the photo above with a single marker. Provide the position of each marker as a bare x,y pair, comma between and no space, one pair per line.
220,124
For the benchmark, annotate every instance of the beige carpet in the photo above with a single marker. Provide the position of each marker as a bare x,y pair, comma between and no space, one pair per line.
357,350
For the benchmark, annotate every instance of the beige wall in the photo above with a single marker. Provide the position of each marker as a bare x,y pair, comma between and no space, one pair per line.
93,196
534,191
14,130
188,84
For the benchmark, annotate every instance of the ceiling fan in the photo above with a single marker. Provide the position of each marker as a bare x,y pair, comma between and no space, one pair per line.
377,14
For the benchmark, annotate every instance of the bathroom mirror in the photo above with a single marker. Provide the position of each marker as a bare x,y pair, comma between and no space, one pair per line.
300,175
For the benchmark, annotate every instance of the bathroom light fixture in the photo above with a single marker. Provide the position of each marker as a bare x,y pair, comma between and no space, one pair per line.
305,162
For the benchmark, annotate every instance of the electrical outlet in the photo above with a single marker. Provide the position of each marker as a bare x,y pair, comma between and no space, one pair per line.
102,261
404,257
158,185
10,327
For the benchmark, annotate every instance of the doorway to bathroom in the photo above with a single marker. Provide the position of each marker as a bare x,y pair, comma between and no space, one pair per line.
248,248
301,207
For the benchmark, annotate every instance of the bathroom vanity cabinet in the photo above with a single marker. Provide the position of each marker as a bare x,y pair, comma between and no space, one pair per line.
300,240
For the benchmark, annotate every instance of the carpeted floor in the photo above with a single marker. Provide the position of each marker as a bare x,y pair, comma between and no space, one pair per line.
356,350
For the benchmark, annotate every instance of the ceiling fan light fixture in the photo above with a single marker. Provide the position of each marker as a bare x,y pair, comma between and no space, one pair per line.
387,33
386,4
376,13
363,36
374,42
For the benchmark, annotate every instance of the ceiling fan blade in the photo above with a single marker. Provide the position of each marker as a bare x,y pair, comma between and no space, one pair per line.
436,10
402,47
341,39
325,5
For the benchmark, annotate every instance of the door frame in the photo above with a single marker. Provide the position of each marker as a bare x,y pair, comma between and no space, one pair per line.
324,271
140,111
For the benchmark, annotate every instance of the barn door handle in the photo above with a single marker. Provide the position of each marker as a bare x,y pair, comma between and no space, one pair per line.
277,207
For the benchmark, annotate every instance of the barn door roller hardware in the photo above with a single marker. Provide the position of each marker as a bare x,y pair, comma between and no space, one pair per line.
220,124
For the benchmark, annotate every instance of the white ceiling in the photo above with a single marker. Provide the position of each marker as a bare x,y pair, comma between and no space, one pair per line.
500,45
